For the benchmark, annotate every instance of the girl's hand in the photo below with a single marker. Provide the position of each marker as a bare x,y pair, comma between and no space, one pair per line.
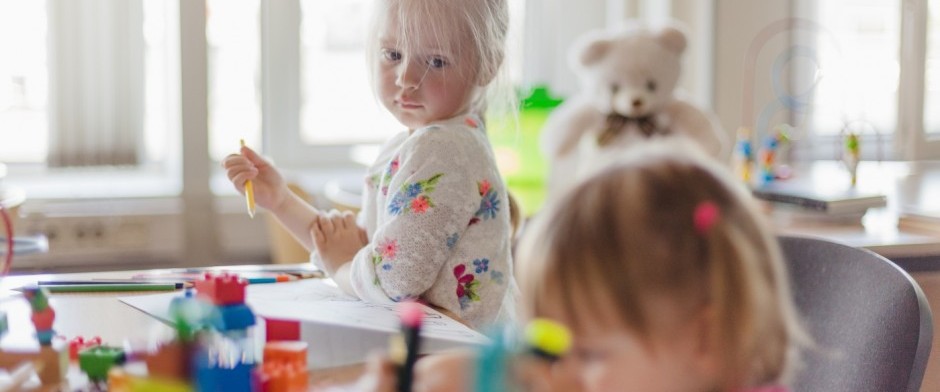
445,372
380,376
269,186
338,238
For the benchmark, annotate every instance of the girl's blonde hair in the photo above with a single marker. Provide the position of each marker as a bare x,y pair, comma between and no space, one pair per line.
626,235
448,25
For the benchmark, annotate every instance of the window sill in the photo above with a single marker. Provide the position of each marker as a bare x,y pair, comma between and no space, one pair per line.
42,183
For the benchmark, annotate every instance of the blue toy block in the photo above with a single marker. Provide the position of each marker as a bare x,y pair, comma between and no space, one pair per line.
232,317
45,337
213,379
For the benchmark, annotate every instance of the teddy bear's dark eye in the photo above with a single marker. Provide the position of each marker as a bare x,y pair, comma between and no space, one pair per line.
651,85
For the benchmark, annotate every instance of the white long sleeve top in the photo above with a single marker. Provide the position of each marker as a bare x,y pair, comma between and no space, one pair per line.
437,215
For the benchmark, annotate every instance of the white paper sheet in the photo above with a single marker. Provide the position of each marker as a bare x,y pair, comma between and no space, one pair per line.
340,329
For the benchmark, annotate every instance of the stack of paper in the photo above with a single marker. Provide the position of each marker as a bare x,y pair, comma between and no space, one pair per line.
340,329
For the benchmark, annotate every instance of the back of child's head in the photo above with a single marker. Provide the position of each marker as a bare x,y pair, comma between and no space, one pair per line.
670,225
471,30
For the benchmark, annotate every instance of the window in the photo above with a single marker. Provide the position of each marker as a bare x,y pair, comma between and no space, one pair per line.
233,42
876,72
23,81
128,107
857,40
337,101
932,93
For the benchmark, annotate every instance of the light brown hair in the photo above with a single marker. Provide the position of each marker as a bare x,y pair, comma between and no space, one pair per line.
626,235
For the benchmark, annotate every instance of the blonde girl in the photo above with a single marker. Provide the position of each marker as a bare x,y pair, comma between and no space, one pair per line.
434,224
668,277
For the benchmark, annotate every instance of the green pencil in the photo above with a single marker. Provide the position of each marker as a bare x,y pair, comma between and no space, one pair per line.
109,287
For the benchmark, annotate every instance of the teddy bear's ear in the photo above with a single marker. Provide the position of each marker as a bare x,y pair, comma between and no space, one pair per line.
672,38
591,50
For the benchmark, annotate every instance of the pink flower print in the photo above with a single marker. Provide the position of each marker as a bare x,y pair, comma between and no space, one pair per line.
471,122
420,204
388,248
484,187
466,286
392,168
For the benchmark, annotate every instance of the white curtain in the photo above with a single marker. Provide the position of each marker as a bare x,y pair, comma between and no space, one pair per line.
96,66
553,25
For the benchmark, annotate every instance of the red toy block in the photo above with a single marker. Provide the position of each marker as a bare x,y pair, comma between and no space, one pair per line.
224,289
278,329
43,319
79,343
290,352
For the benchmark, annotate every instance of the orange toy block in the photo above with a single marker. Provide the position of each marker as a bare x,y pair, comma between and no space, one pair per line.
282,377
294,352
170,361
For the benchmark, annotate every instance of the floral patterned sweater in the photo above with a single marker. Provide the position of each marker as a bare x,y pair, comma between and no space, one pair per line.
437,215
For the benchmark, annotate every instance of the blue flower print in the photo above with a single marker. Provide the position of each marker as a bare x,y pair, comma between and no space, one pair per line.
452,240
415,197
387,267
398,204
497,276
482,265
489,206
413,190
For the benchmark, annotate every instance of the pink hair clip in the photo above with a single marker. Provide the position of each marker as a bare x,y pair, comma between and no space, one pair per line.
705,216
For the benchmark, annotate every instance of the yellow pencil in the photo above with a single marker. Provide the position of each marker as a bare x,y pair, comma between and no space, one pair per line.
249,192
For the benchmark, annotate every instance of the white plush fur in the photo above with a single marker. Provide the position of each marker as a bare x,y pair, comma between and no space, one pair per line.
634,59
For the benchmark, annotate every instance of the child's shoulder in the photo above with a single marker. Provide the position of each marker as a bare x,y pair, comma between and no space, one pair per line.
459,133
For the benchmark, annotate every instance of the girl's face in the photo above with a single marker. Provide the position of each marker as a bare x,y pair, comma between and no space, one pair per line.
426,83
606,356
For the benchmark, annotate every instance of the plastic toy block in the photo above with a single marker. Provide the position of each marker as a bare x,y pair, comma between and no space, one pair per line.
189,315
232,317
38,297
43,319
278,329
96,361
45,338
120,381
282,377
235,379
224,289
171,361
79,343
294,352
55,364
4,324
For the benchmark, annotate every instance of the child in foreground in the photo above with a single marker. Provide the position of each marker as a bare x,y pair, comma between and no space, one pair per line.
668,278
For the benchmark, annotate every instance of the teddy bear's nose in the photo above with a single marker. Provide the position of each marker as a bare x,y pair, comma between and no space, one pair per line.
637,103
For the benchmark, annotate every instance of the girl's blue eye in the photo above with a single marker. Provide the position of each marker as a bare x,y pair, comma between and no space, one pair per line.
437,62
391,55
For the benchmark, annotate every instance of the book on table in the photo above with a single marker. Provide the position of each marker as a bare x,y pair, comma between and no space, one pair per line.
822,199
918,219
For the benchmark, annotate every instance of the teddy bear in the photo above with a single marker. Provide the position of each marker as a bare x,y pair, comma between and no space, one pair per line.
628,96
